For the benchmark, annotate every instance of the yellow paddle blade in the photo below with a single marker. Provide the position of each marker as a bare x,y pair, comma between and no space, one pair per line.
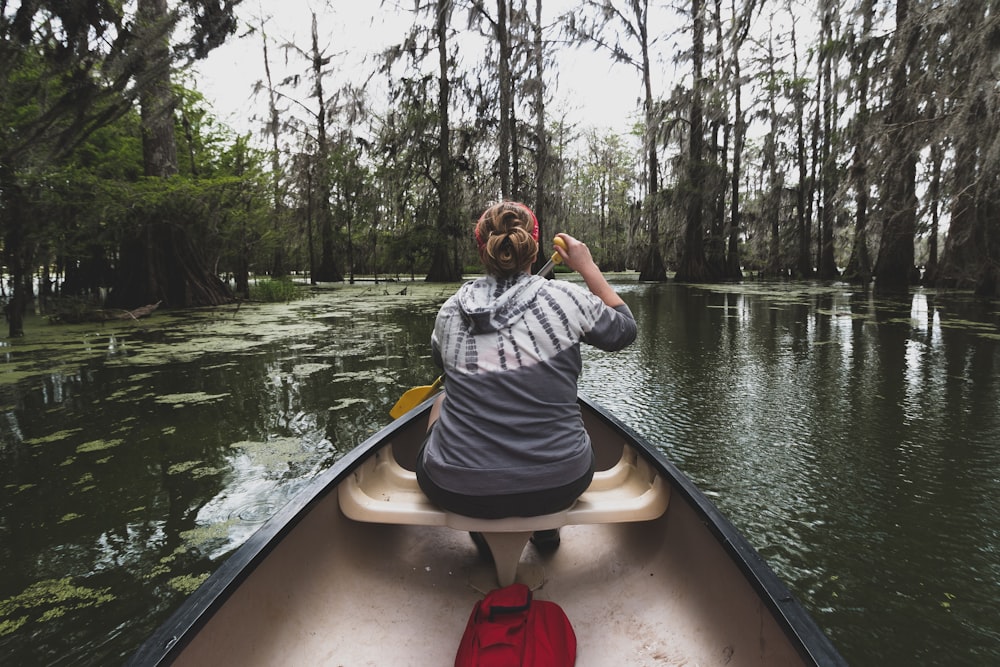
414,397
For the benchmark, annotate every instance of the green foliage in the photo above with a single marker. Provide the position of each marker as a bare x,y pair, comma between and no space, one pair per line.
376,193
273,290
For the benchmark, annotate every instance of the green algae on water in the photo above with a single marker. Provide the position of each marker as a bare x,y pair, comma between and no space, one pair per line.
274,453
202,536
54,437
346,403
48,599
180,400
182,467
187,583
304,370
98,445
196,468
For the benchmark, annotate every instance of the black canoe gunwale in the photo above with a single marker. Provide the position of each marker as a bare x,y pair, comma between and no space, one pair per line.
812,643
168,640
173,635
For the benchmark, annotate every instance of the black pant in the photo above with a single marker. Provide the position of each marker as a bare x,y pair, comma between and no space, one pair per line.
531,503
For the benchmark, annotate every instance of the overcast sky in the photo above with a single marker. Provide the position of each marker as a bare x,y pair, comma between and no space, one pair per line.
590,87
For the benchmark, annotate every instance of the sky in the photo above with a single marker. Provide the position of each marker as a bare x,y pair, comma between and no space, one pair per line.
592,90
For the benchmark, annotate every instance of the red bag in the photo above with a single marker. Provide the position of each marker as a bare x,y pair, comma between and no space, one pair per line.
509,629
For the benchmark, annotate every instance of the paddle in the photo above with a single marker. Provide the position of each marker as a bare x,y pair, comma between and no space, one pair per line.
555,259
417,395
414,397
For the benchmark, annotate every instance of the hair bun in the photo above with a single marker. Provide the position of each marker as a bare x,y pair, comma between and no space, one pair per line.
506,235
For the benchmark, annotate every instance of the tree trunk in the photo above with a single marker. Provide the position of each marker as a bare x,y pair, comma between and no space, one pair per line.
859,268
804,266
812,202
241,277
894,267
827,262
732,269
15,249
278,260
160,262
328,270
506,97
716,250
772,198
652,267
444,266
971,253
988,284
692,266
933,196
965,241
541,138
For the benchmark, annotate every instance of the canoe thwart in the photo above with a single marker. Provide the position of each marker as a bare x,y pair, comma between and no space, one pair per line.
380,490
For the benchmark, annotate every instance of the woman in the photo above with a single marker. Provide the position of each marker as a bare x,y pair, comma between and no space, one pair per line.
509,439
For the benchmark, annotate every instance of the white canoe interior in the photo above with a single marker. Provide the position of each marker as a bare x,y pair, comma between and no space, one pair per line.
336,591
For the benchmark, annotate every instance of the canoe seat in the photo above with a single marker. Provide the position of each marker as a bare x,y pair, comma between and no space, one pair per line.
381,491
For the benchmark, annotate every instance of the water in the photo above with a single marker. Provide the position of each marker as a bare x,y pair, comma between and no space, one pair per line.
855,442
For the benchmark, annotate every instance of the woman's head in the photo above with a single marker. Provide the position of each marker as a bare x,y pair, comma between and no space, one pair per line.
507,235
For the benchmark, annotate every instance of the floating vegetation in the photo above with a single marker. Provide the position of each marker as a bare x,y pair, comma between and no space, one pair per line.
98,445
172,337
203,536
187,583
54,437
983,327
216,367
180,400
377,375
205,471
196,469
125,391
165,564
11,625
123,396
71,516
178,468
275,454
844,313
346,403
305,370
48,599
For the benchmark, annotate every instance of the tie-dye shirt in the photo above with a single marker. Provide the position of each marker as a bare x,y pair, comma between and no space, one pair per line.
510,350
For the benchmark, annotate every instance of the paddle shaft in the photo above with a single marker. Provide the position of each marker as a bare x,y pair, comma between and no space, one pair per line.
555,259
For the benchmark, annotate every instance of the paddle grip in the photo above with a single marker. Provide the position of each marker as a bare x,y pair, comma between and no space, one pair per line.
556,257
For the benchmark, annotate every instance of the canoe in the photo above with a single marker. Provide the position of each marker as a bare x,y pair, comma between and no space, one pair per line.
648,572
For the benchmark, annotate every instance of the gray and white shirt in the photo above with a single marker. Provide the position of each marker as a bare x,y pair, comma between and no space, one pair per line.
510,350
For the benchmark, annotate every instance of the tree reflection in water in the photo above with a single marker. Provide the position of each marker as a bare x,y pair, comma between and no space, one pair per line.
852,439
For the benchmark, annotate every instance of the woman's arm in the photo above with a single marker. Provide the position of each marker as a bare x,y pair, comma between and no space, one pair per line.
576,255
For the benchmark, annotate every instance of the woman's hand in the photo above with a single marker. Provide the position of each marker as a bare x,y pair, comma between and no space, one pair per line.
576,255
